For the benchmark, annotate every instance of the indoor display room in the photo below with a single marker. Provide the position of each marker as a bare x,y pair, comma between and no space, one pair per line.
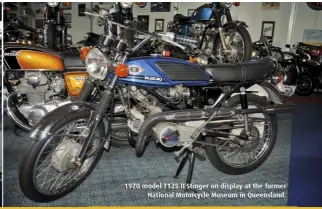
162,104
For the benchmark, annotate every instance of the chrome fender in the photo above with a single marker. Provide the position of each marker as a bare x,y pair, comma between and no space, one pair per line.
266,89
42,130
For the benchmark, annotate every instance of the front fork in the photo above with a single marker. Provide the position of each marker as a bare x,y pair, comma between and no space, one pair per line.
96,118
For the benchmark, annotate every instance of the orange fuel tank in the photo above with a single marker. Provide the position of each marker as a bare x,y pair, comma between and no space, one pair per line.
37,60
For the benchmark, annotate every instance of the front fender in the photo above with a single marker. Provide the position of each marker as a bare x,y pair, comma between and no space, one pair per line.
236,24
42,130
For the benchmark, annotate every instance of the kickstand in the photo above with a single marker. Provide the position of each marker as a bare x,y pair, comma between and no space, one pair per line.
191,156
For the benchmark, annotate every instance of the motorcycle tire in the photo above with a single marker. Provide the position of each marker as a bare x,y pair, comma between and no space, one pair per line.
245,36
212,152
309,80
52,36
27,165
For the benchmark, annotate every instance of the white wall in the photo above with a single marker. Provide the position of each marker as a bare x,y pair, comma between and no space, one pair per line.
250,12
306,18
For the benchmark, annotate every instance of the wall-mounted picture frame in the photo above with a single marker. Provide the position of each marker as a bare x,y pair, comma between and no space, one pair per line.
160,6
68,17
190,12
159,25
271,5
268,28
66,5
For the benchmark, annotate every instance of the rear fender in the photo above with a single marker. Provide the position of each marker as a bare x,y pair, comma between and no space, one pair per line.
266,89
42,130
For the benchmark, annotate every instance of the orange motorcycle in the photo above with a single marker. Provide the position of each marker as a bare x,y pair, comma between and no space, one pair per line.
38,80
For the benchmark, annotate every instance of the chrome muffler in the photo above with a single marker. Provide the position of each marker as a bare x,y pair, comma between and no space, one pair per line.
200,114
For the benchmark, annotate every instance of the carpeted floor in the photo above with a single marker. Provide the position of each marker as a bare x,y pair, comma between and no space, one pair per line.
305,180
106,185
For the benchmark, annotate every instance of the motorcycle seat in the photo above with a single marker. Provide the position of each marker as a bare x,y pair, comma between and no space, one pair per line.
311,47
72,60
181,19
240,72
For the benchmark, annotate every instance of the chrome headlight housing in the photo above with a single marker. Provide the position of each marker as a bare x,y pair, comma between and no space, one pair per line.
226,4
53,4
97,64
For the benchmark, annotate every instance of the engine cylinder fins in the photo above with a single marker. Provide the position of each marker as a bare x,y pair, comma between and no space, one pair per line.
169,136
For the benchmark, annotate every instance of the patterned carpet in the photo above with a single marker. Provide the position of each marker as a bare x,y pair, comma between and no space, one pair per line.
106,185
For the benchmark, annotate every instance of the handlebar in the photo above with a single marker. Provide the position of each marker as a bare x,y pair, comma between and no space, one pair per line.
105,15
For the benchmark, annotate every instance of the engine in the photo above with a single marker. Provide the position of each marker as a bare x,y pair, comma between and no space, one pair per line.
147,105
39,93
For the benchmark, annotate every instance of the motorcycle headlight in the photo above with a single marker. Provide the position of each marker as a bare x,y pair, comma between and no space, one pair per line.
226,4
53,4
126,5
97,64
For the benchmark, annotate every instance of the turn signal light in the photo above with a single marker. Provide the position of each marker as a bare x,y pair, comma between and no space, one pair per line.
237,4
67,4
121,71
138,3
83,52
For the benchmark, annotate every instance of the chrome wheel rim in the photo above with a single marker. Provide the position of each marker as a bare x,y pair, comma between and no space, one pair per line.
46,178
236,46
239,158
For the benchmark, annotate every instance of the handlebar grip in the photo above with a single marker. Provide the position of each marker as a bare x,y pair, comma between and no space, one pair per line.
96,8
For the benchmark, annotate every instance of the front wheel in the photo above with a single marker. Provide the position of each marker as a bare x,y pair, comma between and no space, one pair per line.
232,159
239,45
49,171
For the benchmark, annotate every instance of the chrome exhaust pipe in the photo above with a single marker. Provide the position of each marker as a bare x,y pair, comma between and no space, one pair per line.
12,115
200,114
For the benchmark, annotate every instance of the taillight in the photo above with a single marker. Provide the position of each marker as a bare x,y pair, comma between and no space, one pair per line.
237,4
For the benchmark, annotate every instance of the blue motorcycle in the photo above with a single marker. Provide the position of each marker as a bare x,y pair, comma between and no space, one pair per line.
181,106
214,33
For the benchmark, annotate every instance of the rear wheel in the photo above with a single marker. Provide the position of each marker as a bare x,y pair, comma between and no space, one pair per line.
48,171
232,159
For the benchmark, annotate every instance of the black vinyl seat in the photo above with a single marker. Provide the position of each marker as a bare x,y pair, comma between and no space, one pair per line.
240,72
181,19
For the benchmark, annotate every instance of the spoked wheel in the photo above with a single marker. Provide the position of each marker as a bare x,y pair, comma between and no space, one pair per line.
239,45
231,158
50,170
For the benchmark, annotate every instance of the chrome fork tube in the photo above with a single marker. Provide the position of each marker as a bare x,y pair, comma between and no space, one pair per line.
222,37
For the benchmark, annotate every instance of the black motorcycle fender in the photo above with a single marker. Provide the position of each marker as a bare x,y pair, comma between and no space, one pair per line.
42,130
236,24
